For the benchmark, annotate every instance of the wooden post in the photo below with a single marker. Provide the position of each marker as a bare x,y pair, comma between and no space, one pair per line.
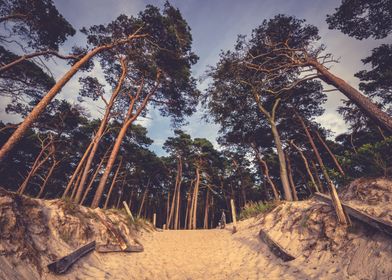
128,211
154,219
234,216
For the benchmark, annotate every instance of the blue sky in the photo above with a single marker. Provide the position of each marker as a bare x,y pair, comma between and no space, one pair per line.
215,25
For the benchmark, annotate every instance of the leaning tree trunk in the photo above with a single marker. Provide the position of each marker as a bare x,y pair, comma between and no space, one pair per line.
306,163
264,166
101,130
337,164
49,174
31,174
282,163
129,119
278,143
41,106
364,103
77,170
342,217
89,186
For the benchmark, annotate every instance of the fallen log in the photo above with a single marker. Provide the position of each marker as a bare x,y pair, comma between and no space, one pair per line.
380,225
275,248
62,265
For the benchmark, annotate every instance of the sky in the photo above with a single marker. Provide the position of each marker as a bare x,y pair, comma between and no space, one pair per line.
215,25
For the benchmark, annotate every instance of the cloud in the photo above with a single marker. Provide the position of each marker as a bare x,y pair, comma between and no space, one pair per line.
332,122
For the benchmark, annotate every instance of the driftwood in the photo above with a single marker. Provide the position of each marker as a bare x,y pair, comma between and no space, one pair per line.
275,248
380,225
62,265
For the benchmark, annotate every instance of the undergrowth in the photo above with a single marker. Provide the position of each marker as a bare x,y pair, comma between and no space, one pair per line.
252,209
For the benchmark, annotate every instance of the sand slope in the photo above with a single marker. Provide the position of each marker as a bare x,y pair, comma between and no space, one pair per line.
34,233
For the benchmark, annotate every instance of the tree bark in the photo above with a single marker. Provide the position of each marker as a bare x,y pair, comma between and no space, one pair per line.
364,103
41,106
342,217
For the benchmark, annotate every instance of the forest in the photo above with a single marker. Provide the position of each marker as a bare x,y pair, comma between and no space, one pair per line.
265,93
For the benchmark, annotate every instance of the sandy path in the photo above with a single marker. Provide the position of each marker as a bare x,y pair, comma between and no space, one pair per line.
208,254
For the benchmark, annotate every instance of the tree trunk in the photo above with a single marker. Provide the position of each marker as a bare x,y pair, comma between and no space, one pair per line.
306,166
143,200
54,164
342,217
292,184
121,193
319,183
41,106
174,199
78,168
282,163
177,215
191,209
264,167
129,119
112,185
167,210
37,164
194,218
278,143
94,176
187,211
337,164
101,129
205,225
364,103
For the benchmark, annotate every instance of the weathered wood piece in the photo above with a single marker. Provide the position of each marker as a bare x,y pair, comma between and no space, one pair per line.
62,265
234,215
275,248
114,232
378,224
109,248
128,211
